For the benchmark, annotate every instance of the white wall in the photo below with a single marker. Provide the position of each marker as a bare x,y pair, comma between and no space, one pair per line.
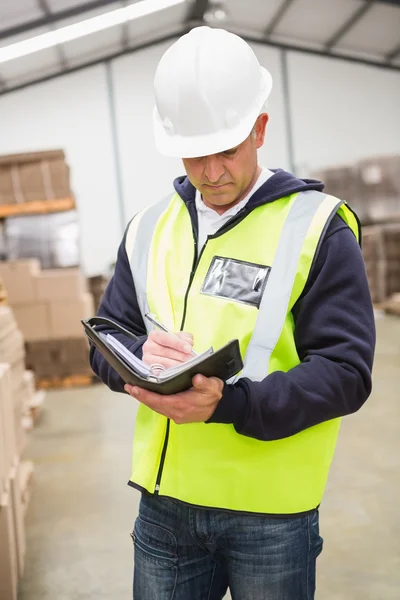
340,111
72,113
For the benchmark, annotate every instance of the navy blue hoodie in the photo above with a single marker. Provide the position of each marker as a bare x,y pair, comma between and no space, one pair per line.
334,332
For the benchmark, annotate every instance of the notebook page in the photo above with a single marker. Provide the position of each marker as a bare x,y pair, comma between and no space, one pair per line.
135,362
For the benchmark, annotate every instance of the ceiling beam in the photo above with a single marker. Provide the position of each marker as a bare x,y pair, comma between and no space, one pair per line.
3,83
393,53
276,19
347,25
62,59
394,2
177,33
53,17
125,30
198,10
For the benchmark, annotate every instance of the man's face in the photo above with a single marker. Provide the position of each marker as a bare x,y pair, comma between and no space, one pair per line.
225,178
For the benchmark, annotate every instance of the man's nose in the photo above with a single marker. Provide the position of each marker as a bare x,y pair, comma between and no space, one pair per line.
214,168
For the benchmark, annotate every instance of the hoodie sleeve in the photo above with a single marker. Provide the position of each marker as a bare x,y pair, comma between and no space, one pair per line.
335,340
120,304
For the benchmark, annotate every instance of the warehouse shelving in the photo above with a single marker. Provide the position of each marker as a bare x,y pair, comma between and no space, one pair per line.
38,207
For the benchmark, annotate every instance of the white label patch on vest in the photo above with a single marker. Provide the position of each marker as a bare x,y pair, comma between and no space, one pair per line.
236,280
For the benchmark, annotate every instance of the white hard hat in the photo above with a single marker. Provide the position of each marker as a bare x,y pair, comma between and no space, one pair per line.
209,90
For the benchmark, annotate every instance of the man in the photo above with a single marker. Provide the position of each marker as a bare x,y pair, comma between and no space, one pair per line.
232,473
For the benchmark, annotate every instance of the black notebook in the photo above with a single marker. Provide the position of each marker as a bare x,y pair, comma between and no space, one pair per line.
223,363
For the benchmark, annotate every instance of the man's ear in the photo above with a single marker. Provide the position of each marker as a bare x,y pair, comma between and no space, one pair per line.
260,127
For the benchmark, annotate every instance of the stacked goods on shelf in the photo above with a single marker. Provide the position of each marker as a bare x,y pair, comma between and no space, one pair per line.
97,287
380,188
375,264
48,306
12,527
3,293
36,198
371,187
12,352
392,306
34,177
52,238
381,250
391,243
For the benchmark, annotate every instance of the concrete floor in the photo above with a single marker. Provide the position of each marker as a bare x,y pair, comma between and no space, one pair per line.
81,511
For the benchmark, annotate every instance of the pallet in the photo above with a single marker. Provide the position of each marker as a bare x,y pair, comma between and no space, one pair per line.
37,207
392,306
71,381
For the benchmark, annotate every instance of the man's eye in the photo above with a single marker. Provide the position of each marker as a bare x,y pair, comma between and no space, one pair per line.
230,152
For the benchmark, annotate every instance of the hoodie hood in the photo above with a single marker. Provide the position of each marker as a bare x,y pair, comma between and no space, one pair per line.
281,184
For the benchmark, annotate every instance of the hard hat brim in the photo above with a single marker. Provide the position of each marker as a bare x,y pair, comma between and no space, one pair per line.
204,145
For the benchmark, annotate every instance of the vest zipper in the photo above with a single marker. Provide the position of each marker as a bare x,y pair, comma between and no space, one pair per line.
163,453
192,273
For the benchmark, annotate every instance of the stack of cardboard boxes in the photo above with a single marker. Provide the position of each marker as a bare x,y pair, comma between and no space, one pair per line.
3,293
372,189
48,307
26,400
381,250
13,482
97,287
33,176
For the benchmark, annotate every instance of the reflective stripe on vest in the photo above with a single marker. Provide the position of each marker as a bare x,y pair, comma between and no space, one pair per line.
137,246
275,300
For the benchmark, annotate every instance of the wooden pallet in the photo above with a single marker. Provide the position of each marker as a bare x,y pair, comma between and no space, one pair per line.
392,306
65,382
38,207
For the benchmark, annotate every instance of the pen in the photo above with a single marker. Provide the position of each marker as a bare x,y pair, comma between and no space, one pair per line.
153,320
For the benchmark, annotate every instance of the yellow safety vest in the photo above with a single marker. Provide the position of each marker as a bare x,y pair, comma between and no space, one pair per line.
244,285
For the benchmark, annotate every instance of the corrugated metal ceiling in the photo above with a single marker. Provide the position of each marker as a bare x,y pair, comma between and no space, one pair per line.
363,30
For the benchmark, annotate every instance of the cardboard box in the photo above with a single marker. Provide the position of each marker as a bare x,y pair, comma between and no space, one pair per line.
8,550
59,358
65,316
19,280
28,384
4,464
7,433
26,472
3,293
18,517
97,287
33,321
7,195
19,410
59,284
33,176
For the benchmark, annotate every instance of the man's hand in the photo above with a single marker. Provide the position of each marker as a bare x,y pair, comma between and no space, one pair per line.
167,350
196,405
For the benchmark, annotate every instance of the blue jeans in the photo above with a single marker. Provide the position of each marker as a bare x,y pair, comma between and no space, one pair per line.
187,553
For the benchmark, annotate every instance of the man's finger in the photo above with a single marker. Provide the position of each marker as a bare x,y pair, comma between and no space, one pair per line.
185,335
171,341
199,381
154,350
150,399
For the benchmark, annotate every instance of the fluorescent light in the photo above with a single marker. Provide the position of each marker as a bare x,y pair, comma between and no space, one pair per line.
77,30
